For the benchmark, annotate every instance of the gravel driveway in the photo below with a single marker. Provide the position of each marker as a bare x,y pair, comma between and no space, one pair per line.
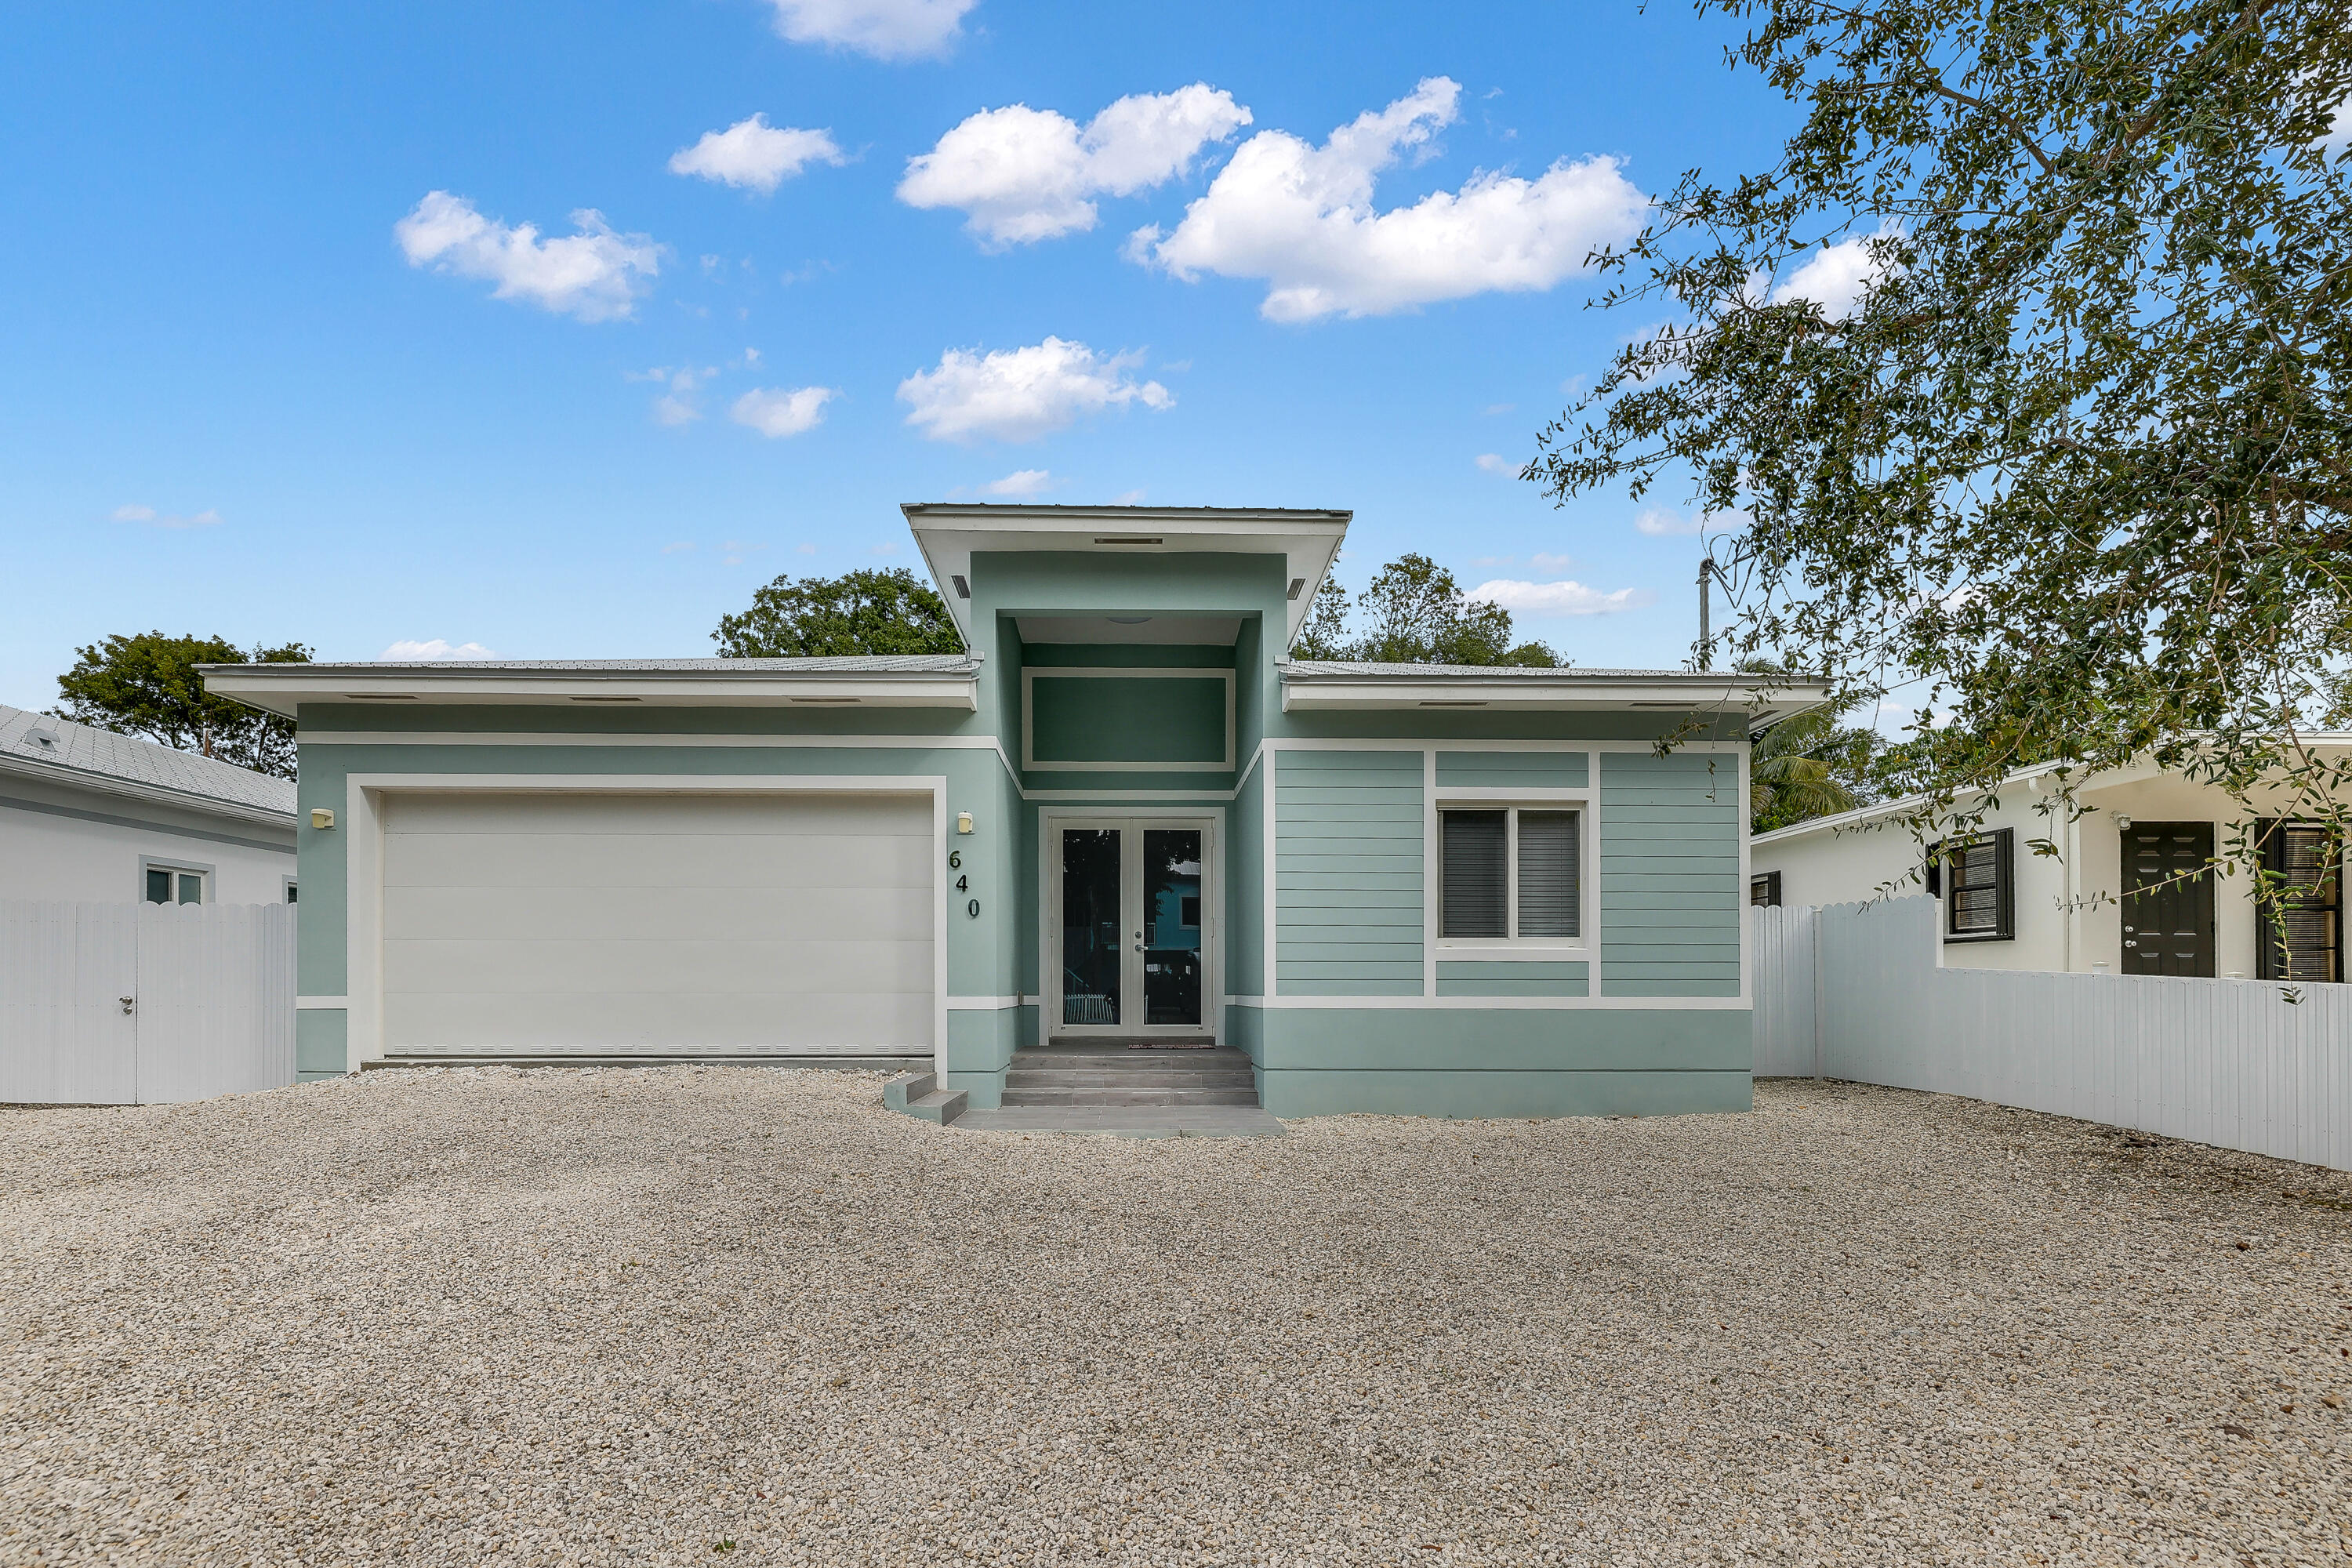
488,1316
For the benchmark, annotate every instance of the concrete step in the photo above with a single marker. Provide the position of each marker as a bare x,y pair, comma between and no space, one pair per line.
919,1095
1136,1122
1081,1078
1243,1095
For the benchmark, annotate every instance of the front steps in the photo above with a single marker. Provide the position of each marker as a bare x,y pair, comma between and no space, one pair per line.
1094,1073
1105,1085
919,1095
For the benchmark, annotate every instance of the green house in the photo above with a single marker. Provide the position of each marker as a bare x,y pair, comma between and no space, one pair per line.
1124,815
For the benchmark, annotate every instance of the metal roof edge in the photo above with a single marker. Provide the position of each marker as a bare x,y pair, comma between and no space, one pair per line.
67,774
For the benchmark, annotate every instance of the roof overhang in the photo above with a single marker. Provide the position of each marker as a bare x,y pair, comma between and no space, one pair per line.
282,689
950,532
31,768
1565,691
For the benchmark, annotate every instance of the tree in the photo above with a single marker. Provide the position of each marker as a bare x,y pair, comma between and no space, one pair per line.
1810,765
863,612
147,685
2070,444
1415,613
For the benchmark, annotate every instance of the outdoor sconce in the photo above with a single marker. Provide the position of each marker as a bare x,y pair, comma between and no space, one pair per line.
2123,822
963,822
321,819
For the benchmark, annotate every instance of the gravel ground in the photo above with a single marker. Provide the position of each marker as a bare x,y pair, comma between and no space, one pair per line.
477,1316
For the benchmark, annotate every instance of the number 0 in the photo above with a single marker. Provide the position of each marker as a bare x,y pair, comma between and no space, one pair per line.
973,908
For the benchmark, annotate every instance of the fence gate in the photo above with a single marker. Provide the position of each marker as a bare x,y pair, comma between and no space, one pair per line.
143,1003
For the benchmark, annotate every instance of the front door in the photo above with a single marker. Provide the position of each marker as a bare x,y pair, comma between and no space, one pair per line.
2169,899
1134,938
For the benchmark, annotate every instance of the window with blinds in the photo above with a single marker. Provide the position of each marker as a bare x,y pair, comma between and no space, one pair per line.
2304,940
1510,873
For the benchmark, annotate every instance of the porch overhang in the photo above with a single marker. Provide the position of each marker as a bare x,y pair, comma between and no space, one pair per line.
950,532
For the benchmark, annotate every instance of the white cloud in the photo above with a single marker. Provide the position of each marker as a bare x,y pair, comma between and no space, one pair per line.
1022,484
676,405
774,413
148,514
1495,463
595,275
1019,395
887,30
1543,561
754,155
1563,598
1302,218
2339,130
1128,498
1835,279
409,650
1021,175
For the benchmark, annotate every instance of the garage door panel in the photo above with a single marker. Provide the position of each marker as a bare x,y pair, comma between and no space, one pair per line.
704,914
537,968
654,861
498,1023
503,815
645,923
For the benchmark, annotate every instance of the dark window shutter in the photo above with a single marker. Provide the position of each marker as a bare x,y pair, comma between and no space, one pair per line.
1476,876
1548,873
1935,869
1764,890
2005,861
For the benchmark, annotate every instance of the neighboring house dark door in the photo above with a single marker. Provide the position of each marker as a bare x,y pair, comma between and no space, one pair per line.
2169,899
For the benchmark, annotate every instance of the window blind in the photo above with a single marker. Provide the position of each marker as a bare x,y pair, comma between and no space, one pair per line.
1476,876
1548,893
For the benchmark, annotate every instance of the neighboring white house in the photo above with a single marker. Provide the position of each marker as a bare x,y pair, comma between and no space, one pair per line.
2111,898
93,816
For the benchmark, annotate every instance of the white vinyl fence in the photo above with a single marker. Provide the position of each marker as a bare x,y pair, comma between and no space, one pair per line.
143,1003
1853,991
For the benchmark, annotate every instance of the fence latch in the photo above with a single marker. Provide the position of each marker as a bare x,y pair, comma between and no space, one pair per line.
126,1002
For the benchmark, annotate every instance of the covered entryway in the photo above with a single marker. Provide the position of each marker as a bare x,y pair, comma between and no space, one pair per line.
595,923
1130,935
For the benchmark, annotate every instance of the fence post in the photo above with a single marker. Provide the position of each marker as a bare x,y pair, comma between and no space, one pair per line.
1813,926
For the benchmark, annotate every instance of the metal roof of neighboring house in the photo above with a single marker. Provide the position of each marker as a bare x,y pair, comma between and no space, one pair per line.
2329,740
86,754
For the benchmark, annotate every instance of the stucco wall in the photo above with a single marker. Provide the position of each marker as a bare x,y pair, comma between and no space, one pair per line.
2068,906
55,845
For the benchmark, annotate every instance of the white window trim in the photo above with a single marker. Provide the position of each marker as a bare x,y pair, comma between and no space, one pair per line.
166,863
1512,802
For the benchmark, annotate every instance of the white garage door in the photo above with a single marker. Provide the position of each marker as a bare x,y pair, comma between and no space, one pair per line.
594,923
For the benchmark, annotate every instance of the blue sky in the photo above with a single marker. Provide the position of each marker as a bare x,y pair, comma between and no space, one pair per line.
266,384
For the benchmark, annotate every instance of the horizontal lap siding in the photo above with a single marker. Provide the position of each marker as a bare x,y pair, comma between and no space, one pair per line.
1511,770
1348,873
1522,977
1671,902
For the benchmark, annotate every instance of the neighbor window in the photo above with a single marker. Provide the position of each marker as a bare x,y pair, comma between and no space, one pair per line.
1509,873
1978,878
174,885
2306,940
1764,890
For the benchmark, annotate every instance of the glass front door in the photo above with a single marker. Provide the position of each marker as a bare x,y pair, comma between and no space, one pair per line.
1135,955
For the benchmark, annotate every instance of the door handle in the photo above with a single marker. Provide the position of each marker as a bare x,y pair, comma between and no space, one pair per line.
1139,947
128,1003
2131,944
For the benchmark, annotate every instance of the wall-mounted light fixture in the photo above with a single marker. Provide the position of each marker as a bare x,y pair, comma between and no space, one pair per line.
321,819
963,822
2123,822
